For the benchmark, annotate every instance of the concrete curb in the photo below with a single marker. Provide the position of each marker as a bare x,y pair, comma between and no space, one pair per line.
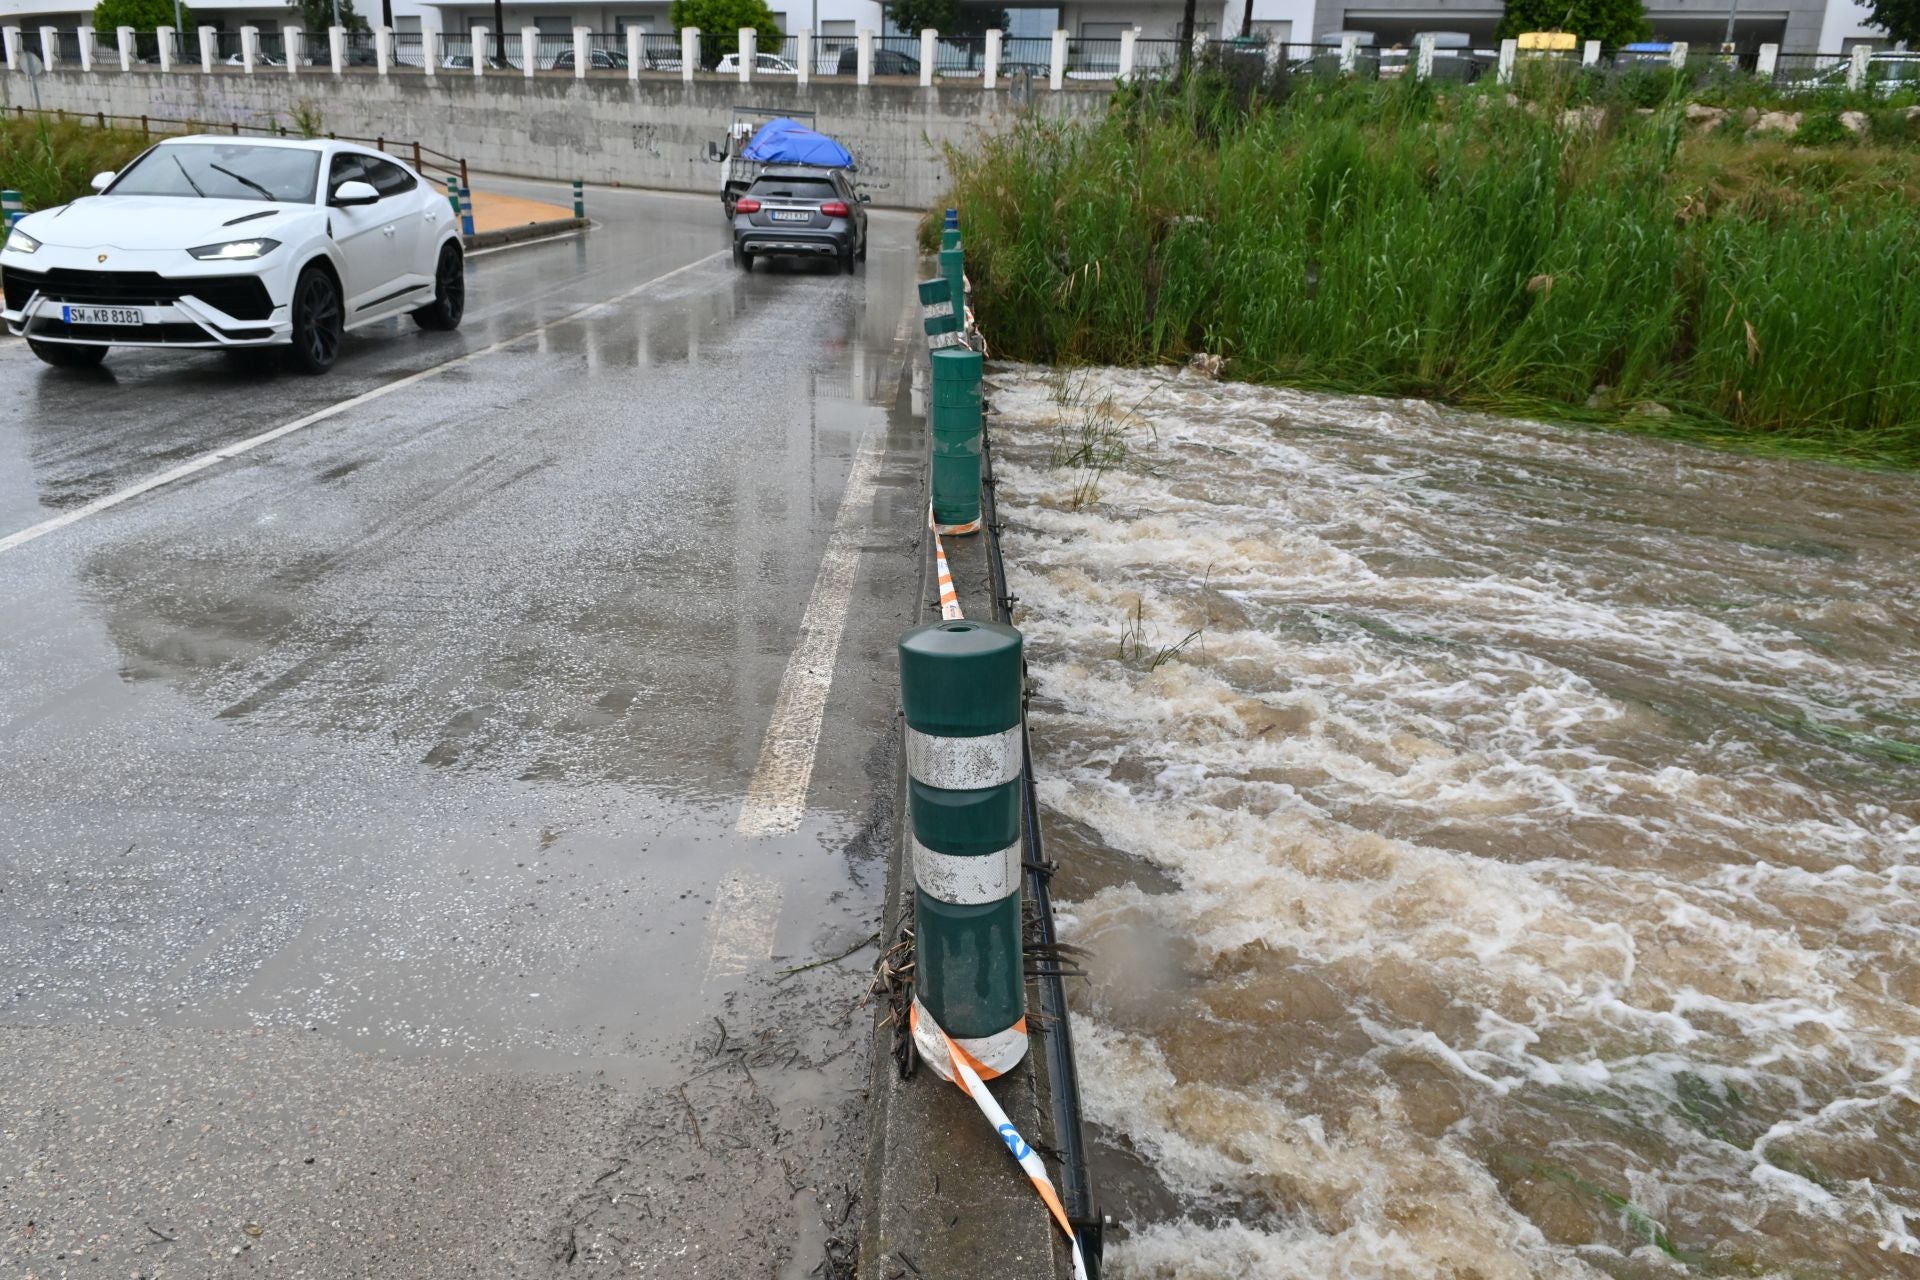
526,231
944,1199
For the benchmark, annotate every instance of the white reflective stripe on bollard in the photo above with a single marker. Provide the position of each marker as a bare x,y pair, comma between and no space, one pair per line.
964,764
967,880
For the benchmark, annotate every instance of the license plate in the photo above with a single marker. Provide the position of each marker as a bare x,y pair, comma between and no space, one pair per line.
796,215
102,315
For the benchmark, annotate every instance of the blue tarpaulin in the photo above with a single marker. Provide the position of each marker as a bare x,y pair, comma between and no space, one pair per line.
786,141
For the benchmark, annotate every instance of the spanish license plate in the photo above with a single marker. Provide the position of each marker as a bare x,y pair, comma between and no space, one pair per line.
792,215
102,315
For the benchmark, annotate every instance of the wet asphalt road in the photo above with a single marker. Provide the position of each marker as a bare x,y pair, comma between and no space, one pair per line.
373,893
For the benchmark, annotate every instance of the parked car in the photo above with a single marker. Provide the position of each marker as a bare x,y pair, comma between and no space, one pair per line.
1888,73
764,64
464,62
260,59
886,62
597,60
1643,51
799,211
212,242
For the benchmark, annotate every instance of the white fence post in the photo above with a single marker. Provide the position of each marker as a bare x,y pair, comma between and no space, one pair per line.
83,38
749,53
1857,69
1349,54
249,48
1057,69
382,49
123,39
208,47
929,49
49,48
689,52
636,45
293,43
1678,55
863,57
990,73
1763,66
337,49
1128,40
804,67
1423,56
1590,54
431,45
163,42
582,55
10,37
477,40
1509,50
529,50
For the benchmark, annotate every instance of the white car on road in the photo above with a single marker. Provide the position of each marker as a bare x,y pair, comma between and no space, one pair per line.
223,243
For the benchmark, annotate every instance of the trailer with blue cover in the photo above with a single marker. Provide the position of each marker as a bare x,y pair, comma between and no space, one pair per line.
759,137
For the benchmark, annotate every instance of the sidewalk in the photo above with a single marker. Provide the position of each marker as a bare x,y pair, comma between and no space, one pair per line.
499,219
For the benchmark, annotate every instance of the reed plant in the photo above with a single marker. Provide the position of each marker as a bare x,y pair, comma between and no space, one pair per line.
50,161
1538,255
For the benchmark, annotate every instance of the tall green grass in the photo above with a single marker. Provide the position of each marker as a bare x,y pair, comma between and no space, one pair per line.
1458,246
50,162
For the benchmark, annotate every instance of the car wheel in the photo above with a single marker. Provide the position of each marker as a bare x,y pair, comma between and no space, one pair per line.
846,259
63,355
742,259
449,291
316,321
862,253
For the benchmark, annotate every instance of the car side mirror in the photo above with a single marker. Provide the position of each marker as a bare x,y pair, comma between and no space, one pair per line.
714,153
864,198
349,194
101,181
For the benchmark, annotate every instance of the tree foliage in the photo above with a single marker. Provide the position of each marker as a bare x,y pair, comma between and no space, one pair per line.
720,21
141,15
317,15
1611,22
948,17
1900,19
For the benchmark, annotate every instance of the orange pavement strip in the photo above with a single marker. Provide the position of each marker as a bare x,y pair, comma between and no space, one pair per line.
496,212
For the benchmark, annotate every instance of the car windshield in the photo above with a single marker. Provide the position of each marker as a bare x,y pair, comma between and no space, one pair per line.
223,171
795,189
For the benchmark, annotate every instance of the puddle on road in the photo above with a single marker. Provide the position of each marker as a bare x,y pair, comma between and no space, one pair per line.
1508,869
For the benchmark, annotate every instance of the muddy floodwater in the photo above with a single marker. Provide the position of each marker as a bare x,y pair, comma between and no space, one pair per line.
1498,845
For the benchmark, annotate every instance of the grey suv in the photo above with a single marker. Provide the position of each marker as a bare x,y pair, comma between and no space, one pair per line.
797,211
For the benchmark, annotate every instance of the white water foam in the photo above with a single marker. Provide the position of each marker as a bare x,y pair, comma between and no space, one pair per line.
1502,838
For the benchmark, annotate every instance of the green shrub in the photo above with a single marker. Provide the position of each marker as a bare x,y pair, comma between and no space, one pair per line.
1451,246
49,163
1822,129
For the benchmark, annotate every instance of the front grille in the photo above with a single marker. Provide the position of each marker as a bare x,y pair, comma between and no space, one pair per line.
242,297
183,334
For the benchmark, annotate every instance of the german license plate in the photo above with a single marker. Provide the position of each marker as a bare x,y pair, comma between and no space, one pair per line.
102,315
792,215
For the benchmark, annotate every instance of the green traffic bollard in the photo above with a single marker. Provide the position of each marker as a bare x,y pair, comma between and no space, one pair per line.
953,267
12,209
960,690
453,195
936,313
955,414
949,237
579,199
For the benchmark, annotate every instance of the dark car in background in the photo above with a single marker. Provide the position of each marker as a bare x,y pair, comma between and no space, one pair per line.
886,62
799,211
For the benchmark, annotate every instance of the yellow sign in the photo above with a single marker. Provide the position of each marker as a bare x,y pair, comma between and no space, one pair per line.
1548,41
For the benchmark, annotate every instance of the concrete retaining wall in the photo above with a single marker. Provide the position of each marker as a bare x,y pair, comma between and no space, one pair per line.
650,133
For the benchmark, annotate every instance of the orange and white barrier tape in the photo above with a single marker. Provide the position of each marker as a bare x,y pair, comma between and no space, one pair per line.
959,1068
946,580
949,598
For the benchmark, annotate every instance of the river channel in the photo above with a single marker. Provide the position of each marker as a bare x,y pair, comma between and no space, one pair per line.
1497,844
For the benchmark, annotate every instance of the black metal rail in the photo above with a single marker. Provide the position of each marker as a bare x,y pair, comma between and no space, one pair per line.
1056,1034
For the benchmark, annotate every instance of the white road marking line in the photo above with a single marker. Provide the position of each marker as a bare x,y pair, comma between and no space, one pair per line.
746,909
777,796
205,460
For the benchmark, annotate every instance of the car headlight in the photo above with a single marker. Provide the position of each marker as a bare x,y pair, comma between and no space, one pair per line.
235,250
19,241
